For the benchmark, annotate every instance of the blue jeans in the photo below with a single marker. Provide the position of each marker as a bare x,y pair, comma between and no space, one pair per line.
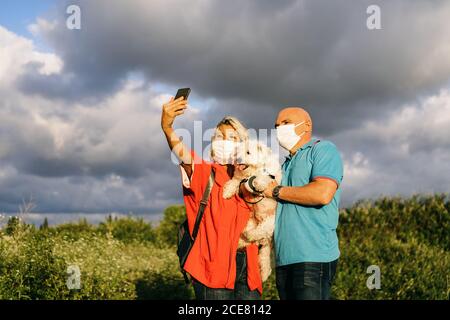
306,280
241,290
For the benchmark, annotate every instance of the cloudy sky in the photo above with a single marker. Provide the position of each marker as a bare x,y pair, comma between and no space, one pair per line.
80,109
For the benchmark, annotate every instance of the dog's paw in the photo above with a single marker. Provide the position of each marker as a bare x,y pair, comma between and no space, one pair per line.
251,236
228,190
247,235
264,242
227,194
242,242
260,183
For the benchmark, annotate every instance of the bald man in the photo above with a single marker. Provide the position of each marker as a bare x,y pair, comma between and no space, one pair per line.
306,243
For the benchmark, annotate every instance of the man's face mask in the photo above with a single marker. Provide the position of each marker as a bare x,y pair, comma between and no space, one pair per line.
225,151
287,137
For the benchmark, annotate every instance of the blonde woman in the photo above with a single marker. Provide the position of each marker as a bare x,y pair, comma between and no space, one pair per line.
218,270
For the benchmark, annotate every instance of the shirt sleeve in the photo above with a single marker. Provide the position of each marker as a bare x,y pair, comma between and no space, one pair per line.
200,169
327,162
185,179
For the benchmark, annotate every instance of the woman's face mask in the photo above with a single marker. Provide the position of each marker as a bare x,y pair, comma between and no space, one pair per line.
225,151
287,137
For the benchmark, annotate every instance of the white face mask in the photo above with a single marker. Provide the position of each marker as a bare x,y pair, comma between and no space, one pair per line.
287,137
224,151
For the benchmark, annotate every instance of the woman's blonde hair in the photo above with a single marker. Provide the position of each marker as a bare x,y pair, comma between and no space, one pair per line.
237,125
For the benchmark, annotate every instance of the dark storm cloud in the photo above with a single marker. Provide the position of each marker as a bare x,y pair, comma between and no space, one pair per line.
151,193
68,86
405,153
244,58
104,157
90,151
318,54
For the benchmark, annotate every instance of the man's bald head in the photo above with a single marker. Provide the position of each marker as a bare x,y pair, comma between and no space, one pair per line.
293,115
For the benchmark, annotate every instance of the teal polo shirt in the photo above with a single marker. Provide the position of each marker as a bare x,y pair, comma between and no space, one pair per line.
307,233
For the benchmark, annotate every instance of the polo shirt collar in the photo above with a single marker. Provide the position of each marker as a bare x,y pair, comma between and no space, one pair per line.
303,147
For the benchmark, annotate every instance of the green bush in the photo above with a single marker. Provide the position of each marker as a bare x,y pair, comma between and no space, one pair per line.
166,284
29,269
407,238
109,267
130,259
71,230
425,218
167,231
409,270
128,229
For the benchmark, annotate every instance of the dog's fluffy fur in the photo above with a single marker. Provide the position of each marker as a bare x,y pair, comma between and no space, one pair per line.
262,164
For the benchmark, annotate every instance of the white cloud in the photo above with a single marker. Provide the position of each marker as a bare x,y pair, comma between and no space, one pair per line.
319,54
41,26
82,155
16,52
407,152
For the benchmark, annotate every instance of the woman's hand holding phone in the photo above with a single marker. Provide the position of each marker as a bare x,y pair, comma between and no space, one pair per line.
171,110
175,107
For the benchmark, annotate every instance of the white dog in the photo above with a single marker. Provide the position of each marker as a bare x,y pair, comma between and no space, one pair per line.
262,168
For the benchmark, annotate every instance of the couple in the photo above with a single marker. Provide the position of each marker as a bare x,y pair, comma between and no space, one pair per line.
306,243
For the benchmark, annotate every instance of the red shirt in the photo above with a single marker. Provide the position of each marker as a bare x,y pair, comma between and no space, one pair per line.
212,260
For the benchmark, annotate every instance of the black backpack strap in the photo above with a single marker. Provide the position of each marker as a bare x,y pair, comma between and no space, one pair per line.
203,204
185,276
201,210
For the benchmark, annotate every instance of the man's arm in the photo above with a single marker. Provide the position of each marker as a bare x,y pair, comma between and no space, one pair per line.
319,192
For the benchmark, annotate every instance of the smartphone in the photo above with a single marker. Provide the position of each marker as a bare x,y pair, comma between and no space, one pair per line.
184,92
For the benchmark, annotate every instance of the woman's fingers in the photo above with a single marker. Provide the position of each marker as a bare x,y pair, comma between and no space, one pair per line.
175,102
174,108
181,108
176,105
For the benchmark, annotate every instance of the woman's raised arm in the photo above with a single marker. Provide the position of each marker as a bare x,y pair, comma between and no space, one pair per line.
170,111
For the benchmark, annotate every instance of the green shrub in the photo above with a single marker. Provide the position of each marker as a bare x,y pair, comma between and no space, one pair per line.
407,238
129,259
165,284
28,267
426,218
71,230
128,229
167,230
409,270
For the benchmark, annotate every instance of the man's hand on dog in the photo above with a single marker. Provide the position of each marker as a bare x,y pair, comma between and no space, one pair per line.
268,192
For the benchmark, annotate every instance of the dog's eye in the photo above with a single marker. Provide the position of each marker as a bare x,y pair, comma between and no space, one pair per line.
248,152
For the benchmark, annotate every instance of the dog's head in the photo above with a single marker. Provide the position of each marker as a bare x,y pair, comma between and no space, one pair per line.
259,159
